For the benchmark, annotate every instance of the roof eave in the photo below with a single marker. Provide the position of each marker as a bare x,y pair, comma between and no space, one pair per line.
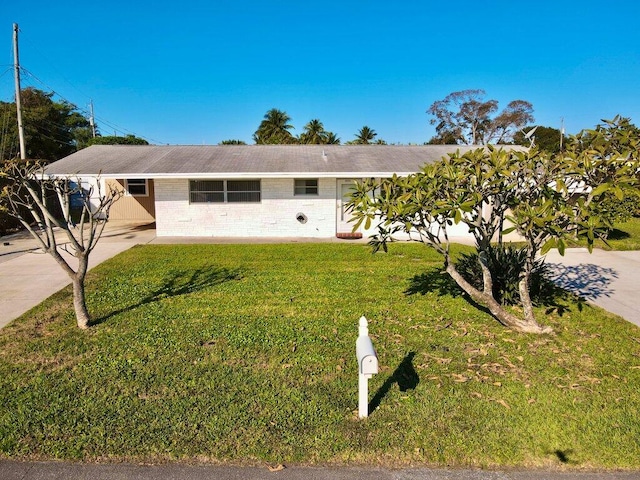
239,175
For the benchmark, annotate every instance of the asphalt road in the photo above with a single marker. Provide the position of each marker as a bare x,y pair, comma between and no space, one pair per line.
11,470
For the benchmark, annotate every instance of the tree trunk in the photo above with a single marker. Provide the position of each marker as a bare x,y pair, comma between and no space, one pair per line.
525,282
487,279
504,317
525,299
523,289
80,304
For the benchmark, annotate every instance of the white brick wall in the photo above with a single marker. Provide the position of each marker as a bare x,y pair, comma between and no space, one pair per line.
274,216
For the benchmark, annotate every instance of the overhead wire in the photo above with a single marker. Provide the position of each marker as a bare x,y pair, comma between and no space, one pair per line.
5,132
6,150
87,113
8,146
51,65
9,68
48,137
62,127
82,110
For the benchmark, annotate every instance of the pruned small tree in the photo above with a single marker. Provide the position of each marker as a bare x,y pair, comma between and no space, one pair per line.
43,205
546,199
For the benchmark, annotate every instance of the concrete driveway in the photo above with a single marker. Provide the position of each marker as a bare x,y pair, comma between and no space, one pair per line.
610,280
28,276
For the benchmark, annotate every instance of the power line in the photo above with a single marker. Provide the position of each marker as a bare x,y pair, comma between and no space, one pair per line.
86,113
38,130
52,65
9,68
81,110
5,130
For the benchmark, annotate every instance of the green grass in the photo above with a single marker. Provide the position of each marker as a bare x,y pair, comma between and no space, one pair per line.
625,236
245,354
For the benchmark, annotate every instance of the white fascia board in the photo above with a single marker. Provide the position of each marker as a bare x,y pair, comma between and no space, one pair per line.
251,175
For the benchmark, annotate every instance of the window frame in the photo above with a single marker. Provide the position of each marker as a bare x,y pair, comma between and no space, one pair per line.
225,191
206,192
127,183
305,188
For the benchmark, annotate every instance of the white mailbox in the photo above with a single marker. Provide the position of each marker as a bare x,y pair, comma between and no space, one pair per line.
367,366
367,358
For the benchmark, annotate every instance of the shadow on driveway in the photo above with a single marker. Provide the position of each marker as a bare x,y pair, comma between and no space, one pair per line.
588,280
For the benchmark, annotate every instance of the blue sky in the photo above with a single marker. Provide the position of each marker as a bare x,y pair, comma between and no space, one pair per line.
197,72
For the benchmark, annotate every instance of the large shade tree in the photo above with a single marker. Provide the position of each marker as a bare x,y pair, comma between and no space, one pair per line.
117,140
546,198
53,129
548,139
465,117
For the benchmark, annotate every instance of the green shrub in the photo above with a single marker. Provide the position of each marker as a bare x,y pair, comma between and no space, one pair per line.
8,223
506,264
620,211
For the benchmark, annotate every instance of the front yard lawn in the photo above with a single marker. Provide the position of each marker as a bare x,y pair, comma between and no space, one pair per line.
246,354
625,236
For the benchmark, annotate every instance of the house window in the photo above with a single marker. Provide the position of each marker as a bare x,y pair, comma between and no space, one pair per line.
206,191
224,191
305,186
137,187
243,191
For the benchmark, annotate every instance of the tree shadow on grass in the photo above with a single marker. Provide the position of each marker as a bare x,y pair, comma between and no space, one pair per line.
553,294
439,282
404,375
434,280
563,456
616,234
180,283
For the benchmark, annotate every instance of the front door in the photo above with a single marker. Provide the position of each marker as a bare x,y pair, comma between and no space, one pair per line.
344,228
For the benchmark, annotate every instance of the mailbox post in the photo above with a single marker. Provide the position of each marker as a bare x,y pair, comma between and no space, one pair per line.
367,366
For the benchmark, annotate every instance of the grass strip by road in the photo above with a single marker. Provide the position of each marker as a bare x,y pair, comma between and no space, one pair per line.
246,354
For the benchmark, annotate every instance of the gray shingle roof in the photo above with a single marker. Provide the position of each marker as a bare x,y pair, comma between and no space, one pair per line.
142,161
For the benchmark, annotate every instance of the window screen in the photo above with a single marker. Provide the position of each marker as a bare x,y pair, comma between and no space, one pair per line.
305,186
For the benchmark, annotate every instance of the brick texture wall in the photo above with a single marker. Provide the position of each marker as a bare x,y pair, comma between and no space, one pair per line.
274,216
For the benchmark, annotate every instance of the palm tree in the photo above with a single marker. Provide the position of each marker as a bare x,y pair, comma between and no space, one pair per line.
365,135
314,132
274,129
332,139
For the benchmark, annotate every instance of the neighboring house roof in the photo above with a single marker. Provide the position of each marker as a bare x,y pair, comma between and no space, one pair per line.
255,161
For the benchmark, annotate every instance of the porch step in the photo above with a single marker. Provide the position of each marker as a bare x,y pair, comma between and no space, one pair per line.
349,235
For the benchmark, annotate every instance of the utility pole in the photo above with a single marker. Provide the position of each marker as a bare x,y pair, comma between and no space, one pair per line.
92,122
16,58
